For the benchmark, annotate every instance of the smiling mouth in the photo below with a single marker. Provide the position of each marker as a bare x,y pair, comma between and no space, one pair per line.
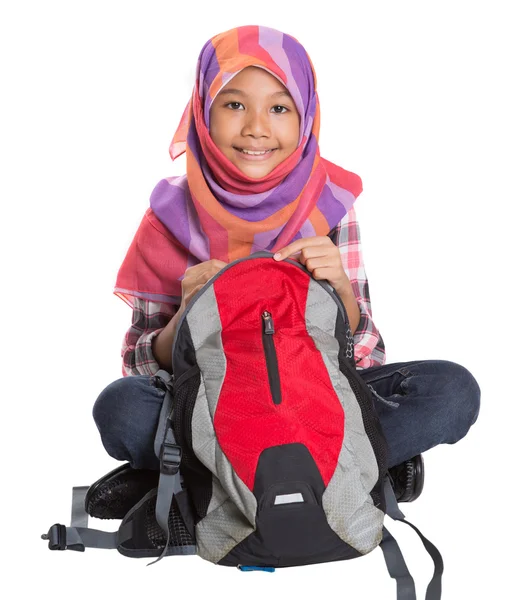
255,154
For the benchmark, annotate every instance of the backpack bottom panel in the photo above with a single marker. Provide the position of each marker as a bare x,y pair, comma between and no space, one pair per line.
288,536
291,524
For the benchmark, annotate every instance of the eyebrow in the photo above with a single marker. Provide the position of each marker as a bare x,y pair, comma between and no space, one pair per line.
227,91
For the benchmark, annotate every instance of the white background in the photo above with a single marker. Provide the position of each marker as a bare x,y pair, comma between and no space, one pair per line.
415,98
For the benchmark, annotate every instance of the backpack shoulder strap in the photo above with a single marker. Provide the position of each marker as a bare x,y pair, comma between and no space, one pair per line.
395,561
169,453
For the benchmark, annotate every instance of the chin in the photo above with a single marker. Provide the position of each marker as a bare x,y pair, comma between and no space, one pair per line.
255,173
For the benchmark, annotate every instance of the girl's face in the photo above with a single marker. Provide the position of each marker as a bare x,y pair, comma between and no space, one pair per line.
254,122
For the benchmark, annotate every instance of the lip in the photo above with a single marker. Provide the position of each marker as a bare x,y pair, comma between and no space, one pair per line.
255,157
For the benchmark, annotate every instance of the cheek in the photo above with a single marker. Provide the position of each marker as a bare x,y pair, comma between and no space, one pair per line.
217,128
289,134
214,133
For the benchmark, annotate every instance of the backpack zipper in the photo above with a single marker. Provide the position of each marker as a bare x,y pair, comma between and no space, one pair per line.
271,357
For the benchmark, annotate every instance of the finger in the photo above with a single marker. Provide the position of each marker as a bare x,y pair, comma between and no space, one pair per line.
200,275
194,292
318,262
214,264
212,268
218,264
206,275
321,273
321,252
192,281
299,245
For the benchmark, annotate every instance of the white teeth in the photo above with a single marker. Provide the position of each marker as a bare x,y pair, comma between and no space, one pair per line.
254,153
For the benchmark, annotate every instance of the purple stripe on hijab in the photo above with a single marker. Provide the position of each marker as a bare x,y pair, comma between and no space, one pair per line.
275,199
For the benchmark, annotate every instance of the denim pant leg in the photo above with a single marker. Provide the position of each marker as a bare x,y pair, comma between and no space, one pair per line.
422,404
126,414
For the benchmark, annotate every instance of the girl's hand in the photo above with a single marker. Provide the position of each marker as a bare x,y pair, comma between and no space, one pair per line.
321,258
196,277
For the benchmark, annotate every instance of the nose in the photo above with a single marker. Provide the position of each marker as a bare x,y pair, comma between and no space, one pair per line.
256,124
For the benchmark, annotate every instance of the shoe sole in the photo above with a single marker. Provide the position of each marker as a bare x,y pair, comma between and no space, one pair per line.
418,477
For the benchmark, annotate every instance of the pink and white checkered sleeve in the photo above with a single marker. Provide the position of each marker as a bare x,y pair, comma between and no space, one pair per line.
369,346
148,319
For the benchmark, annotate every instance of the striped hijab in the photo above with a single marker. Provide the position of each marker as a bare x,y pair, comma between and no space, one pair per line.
215,210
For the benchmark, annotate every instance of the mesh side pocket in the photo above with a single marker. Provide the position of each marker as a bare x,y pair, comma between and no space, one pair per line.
147,538
371,420
197,478
156,536
373,430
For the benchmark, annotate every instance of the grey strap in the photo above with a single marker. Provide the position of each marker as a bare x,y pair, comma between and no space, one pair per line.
169,483
168,486
90,538
61,537
397,568
392,508
79,518
434,587
164,412
78,536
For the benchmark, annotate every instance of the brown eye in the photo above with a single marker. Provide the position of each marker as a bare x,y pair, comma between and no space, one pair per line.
235,105
279,109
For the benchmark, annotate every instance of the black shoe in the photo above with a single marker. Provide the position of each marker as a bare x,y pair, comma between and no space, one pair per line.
112,496
408,478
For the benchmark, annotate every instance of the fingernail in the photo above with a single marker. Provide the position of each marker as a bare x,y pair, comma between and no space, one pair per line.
277,256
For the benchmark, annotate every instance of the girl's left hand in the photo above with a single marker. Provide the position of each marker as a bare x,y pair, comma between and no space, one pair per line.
320,257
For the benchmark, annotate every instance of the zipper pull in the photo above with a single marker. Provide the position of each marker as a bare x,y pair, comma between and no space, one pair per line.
268,323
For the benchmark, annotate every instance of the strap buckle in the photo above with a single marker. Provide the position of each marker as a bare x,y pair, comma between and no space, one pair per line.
170,458
163,380
56,537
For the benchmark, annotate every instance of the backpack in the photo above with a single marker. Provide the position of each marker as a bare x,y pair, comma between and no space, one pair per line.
271,451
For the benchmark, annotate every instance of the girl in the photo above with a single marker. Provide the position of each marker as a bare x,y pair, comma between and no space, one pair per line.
255,180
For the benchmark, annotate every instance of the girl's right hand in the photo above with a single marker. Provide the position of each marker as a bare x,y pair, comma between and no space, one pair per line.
196,277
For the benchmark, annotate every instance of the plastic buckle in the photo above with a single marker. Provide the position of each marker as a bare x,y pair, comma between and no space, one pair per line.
56,537
170,459
162,384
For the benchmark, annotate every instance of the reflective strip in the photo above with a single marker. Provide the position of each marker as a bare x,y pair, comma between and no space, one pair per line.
289,498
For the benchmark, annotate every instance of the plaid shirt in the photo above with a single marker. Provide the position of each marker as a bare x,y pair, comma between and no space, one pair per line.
149,318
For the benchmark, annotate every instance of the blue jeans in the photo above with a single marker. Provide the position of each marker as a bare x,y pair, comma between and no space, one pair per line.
420,404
